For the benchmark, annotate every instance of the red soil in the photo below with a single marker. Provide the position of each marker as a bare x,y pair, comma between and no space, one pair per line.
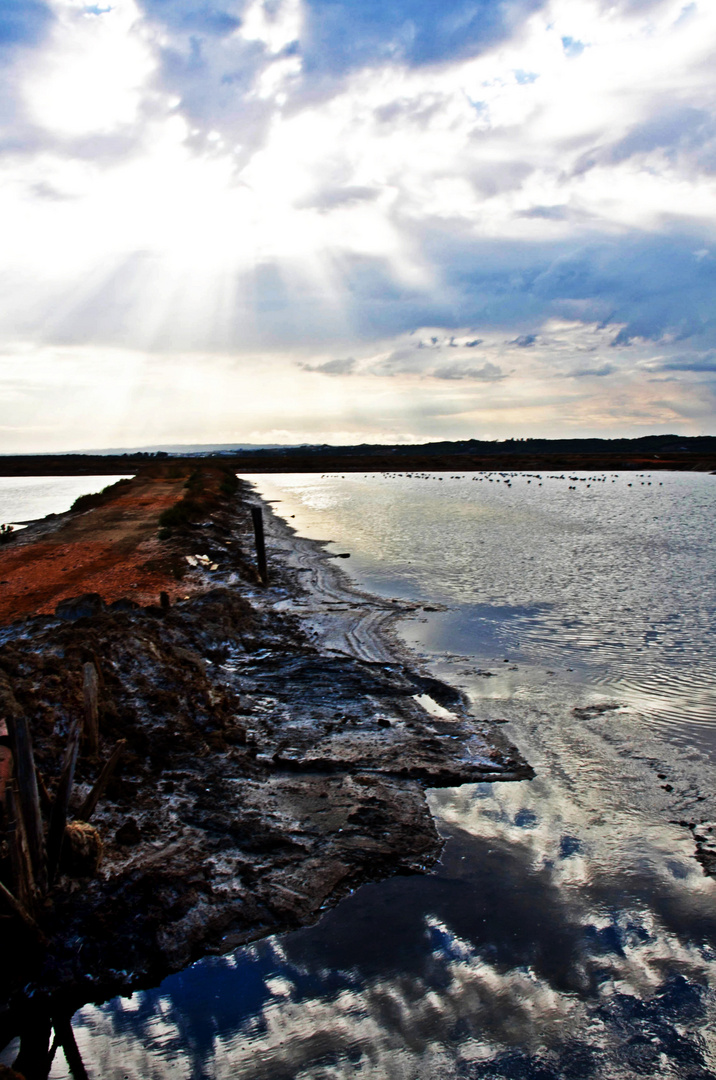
112,550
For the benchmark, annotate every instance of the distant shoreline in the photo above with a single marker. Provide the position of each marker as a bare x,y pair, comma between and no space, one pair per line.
651,452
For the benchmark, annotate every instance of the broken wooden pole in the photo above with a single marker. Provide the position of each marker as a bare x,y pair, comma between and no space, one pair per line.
23,879
20,910
45,797
6,770
58,819
91,695
66,1037
90,803
258,520
28,795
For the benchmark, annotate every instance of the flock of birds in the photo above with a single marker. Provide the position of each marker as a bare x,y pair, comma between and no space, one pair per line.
508,477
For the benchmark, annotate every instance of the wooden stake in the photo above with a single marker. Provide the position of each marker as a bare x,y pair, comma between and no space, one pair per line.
45,797
257,518
66,1037
91,693
90,804
23,878
28,797
58,819
19,909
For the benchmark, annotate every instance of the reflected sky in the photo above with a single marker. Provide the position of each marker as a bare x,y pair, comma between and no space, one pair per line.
24,498
509,958
567,930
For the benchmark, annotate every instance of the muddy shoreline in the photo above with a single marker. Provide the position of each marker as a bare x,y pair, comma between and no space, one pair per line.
279,742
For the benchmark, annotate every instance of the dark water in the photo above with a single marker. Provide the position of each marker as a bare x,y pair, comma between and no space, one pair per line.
568,931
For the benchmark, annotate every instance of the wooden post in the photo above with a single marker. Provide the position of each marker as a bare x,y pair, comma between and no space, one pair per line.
257,518
22,876
58,819
91,693
20,910
45,797
90,803
34,1027
28,796
66,1037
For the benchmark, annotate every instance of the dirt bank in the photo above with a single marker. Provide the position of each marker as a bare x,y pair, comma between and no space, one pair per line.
278,743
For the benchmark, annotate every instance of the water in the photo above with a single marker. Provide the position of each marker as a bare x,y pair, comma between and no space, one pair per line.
25,498
567,931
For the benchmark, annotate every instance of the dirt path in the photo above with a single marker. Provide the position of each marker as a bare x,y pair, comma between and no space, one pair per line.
112,550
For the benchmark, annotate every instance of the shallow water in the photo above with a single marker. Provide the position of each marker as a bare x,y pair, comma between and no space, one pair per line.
567,931
612,578
25,498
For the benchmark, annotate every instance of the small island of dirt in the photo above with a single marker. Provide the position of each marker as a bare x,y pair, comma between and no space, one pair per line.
274,741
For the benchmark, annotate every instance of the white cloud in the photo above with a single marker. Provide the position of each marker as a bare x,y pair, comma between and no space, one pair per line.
192,179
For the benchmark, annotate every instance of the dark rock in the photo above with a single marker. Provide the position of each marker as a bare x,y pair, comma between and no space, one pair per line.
128,834
123,604
80,607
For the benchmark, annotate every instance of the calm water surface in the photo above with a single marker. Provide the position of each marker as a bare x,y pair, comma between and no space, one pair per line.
24,498
568,930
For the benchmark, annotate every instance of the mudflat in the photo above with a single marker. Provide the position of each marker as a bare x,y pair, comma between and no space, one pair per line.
274,740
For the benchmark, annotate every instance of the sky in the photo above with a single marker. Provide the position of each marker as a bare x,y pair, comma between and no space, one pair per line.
341,221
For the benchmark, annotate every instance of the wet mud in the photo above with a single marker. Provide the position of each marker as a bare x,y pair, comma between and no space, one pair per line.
278,744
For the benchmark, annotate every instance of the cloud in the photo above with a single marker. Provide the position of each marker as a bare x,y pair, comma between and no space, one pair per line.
685,135
597,372
333,367
435,193
697,362
487,373
187,16
329,198
547,213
